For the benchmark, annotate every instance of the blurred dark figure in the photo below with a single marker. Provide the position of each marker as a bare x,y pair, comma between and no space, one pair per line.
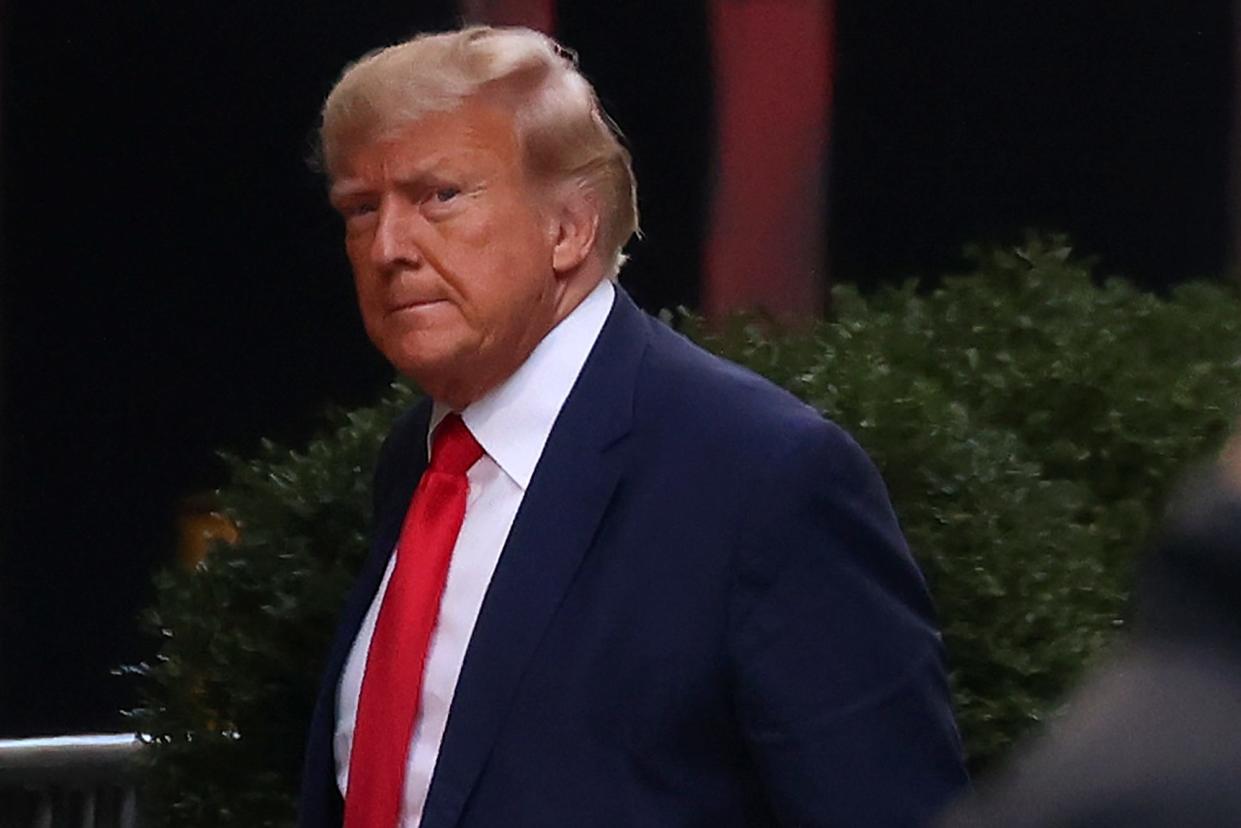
1154,736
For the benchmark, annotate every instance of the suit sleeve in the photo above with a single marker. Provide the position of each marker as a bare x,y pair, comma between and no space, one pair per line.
838,666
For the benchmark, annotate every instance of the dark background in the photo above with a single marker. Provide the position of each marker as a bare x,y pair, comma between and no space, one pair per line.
173,283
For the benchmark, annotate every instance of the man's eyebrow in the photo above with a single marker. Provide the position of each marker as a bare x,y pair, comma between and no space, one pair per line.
345,189
433,169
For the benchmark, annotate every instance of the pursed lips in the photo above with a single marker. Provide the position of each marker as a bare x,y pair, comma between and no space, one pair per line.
413,304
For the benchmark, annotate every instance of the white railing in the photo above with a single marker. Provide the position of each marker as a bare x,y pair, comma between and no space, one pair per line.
78,781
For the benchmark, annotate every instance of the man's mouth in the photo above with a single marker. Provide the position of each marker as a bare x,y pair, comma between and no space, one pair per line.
414,305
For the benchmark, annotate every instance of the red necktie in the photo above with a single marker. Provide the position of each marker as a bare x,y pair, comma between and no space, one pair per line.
392,681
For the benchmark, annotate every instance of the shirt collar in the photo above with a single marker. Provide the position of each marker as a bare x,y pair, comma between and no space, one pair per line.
513,421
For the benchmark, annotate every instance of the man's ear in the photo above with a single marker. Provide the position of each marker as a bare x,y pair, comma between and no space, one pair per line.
577,229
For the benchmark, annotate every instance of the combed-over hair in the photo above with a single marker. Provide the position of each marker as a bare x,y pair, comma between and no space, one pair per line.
564,134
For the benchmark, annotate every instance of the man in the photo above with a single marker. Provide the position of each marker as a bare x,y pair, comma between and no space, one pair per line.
634,584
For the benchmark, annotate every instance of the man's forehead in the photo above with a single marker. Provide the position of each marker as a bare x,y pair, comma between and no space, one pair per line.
467,134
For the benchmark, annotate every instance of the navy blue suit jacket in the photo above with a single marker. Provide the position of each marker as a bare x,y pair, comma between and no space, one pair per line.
705,614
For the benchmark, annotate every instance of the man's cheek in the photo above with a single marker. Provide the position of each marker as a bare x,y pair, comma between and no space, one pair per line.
475,231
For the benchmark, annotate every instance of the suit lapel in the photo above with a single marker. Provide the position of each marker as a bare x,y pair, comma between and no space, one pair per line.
559,515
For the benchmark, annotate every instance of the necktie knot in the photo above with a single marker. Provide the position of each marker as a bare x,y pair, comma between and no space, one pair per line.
453,448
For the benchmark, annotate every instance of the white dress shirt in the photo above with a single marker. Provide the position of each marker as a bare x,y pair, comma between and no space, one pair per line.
512,424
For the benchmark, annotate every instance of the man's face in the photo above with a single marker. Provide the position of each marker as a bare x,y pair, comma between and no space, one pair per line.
451,246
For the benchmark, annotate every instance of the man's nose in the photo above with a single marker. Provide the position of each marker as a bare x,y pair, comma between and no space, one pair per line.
395,243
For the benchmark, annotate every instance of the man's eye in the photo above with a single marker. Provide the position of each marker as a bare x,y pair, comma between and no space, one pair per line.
446,194
359,209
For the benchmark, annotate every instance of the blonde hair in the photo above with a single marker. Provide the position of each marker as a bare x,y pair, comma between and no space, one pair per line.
564,133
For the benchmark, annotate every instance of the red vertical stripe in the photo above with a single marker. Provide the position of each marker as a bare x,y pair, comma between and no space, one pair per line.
767,239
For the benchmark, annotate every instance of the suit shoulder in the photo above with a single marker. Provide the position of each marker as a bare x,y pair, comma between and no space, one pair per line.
683,383
403,443
407,429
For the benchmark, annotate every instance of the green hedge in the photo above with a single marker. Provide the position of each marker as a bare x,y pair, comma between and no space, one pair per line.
1027,417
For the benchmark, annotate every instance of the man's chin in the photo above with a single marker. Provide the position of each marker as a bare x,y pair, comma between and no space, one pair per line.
455,372
426,353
